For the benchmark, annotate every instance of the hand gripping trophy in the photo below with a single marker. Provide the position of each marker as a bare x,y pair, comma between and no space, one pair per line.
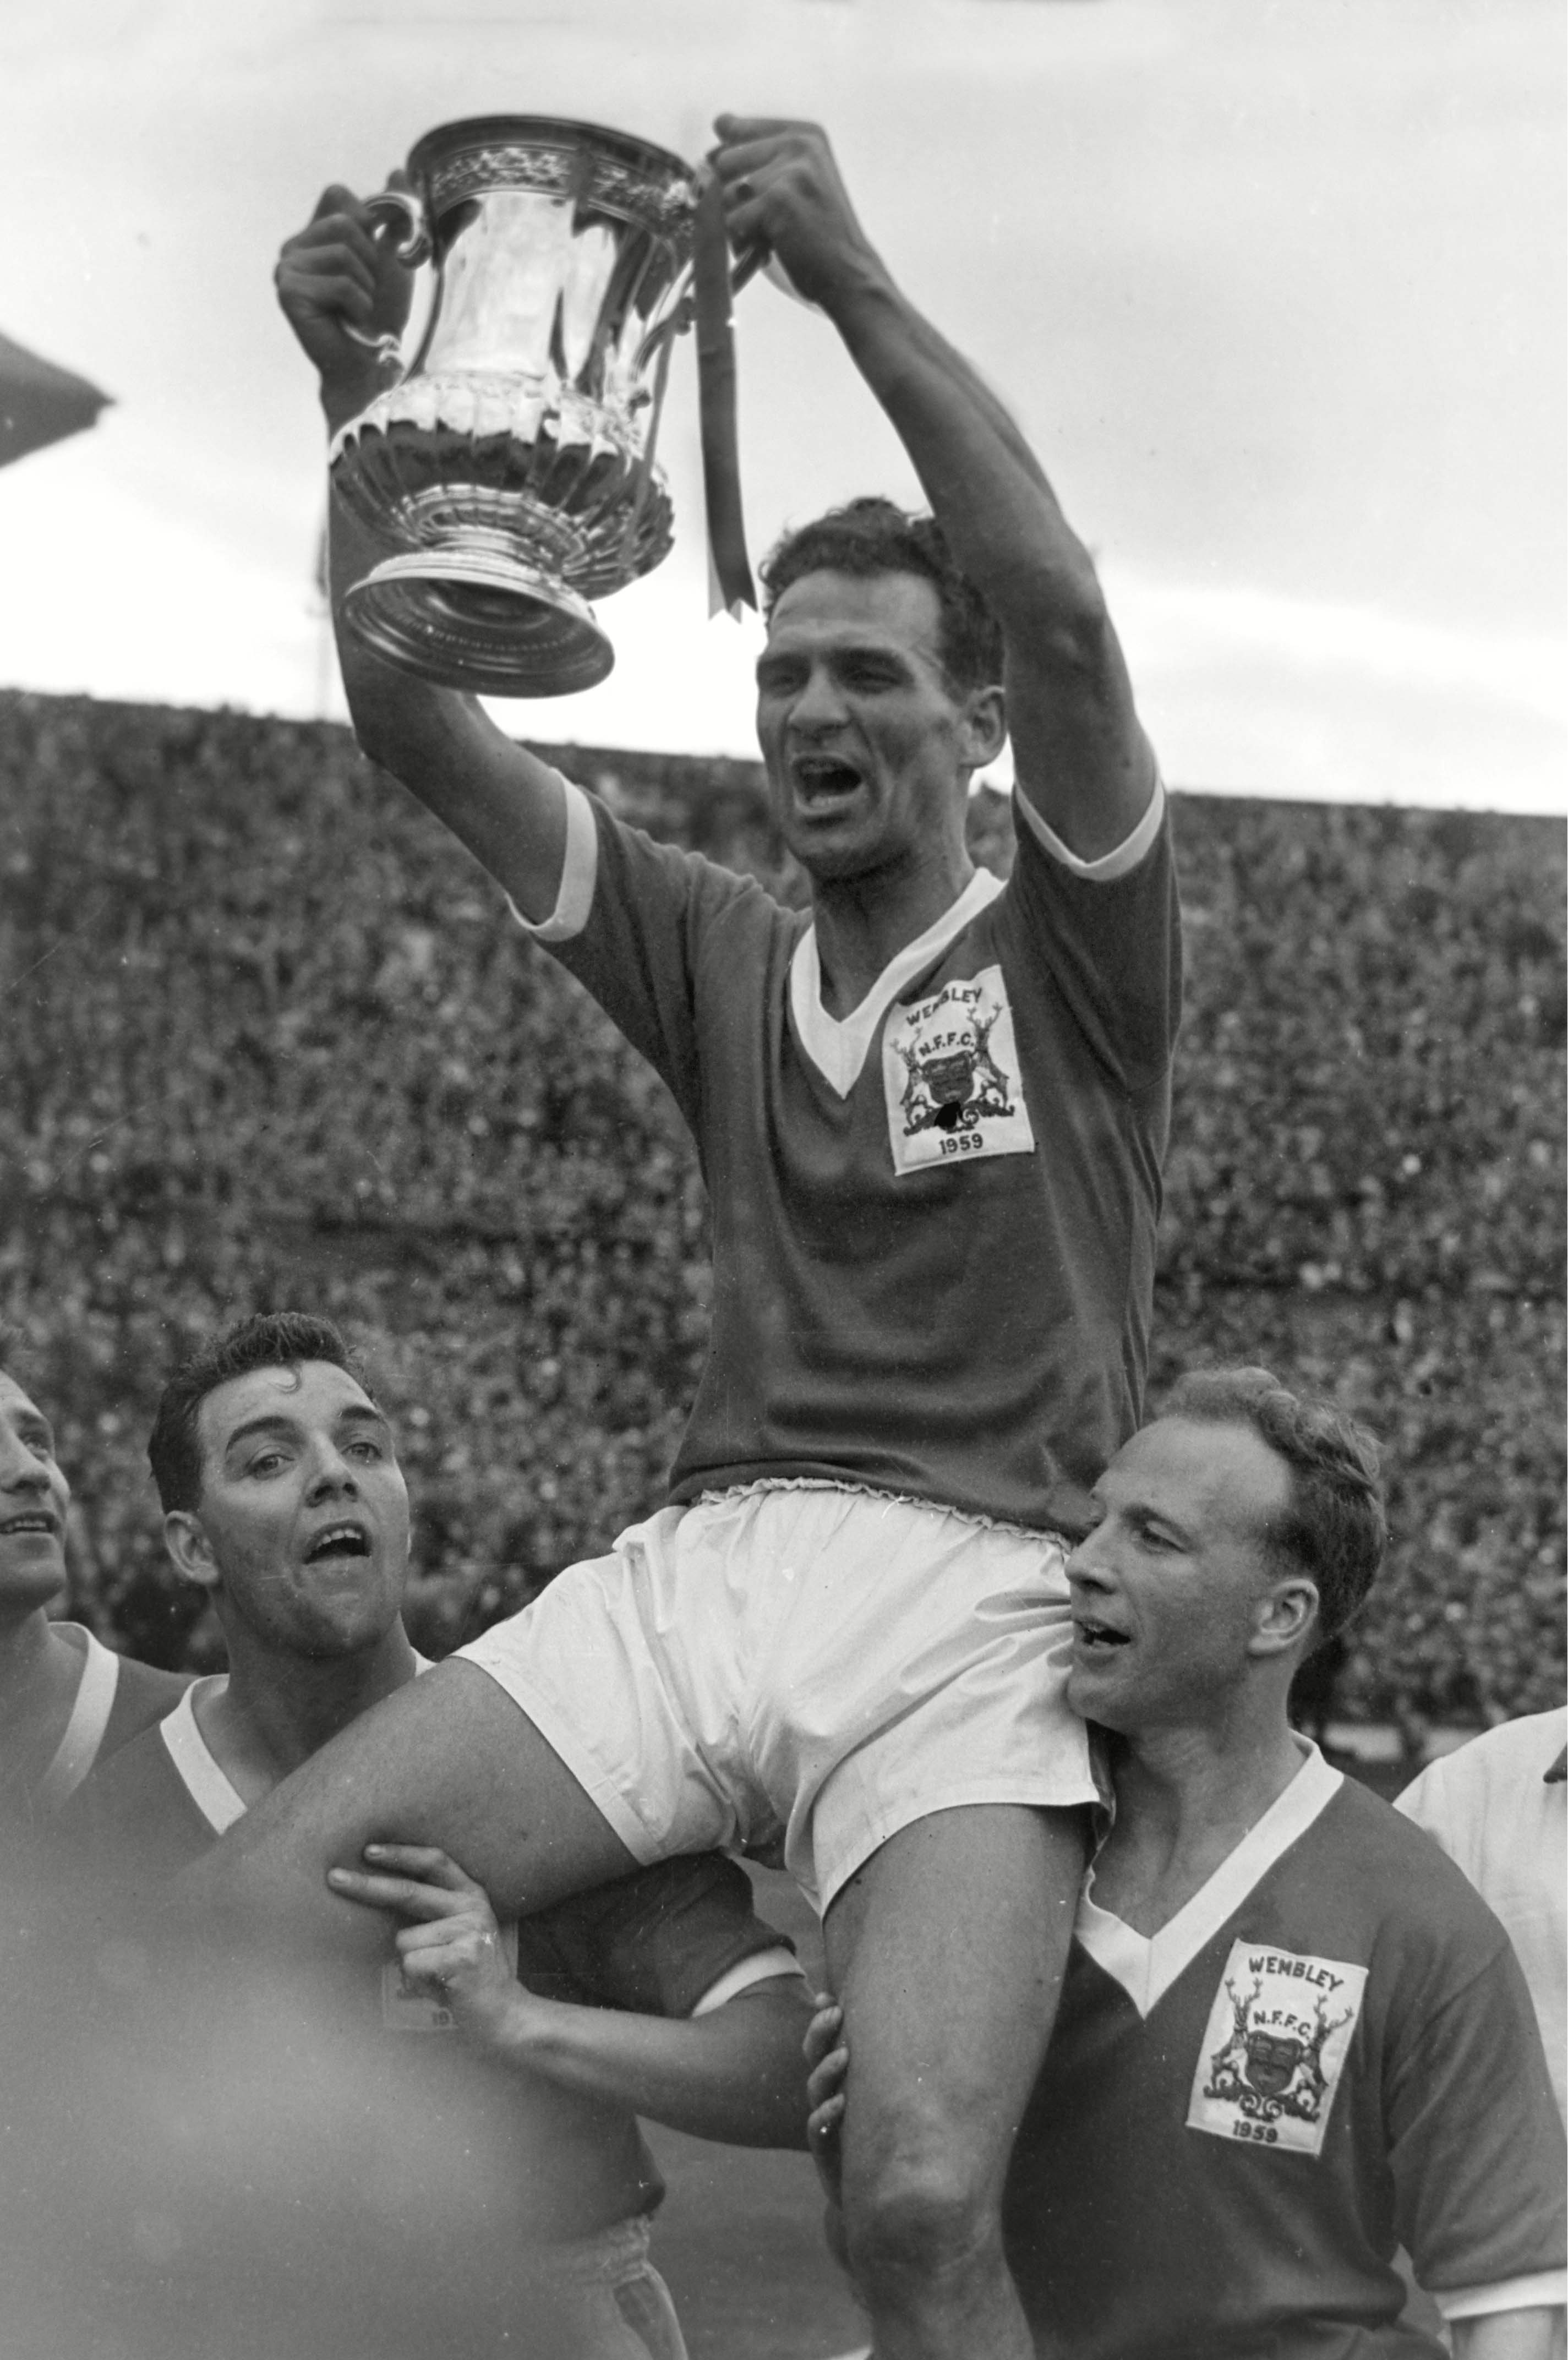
512,464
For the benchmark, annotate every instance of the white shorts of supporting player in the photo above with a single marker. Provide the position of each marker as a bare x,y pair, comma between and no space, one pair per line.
802,1670
608,2303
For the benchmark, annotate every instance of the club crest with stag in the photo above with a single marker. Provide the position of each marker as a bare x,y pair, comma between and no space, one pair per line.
1275,2047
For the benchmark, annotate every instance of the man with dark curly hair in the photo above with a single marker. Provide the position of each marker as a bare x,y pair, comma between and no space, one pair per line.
930,1113
662,1995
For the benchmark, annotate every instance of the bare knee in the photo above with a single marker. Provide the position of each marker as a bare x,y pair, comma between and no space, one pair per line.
913,2224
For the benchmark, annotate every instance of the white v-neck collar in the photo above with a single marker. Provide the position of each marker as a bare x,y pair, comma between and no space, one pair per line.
89,1717
1147,1965
839,1049
207,1783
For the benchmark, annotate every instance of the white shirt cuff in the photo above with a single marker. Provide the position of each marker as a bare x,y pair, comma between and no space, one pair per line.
578,871
1121,858
762,1967
1540,2291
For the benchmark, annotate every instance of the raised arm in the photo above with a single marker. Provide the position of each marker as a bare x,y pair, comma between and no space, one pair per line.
1080,755
496,798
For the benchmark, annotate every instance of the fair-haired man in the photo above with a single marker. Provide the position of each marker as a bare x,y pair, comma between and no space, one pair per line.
1291,2038
665,1995
930,1113
66,1700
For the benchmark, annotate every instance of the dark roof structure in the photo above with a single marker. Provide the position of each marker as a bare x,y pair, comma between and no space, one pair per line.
39,403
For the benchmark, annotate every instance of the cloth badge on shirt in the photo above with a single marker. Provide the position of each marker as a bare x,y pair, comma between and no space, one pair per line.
404,2009
950,1072
1275,2048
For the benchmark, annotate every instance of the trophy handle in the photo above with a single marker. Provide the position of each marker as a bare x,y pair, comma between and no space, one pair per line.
412,248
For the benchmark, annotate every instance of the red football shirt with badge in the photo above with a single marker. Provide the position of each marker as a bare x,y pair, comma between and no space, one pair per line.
934,1220
1327,2053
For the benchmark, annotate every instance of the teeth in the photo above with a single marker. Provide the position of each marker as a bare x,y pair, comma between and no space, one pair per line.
27,1525
334,1537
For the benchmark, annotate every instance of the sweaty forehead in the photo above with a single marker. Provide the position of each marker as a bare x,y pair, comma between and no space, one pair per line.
1212,1478
902,607
315,1392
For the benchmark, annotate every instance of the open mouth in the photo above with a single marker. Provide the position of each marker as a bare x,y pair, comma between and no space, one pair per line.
822,779
337,1544
1094,1637
35,1520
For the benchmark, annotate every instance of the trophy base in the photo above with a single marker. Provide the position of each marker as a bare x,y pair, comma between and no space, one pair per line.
480,621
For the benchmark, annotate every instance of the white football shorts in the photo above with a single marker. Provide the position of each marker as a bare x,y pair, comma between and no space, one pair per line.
609,2302
798,1671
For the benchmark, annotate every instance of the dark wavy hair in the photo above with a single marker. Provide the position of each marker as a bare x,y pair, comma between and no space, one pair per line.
872,536
1335,1527
268,1339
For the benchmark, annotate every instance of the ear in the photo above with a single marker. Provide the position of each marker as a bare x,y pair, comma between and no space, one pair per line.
189,1550
986,725
1284,1617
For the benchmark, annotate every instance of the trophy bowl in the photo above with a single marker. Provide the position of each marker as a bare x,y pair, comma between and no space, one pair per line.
512,465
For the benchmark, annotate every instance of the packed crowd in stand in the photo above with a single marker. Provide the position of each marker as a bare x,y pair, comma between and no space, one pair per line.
1145,2033
1382,1211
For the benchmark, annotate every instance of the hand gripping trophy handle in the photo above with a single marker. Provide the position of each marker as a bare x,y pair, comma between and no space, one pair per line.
511,467
412,248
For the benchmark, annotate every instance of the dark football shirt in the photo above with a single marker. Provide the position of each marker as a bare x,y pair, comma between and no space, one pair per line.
115,1698
1329,2052
934,1220
660,1942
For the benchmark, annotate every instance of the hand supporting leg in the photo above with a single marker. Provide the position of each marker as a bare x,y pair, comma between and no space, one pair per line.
448,1760
947,1953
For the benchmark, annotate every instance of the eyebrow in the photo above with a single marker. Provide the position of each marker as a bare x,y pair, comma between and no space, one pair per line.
1152,1515
849,650
1145,1512
277,1421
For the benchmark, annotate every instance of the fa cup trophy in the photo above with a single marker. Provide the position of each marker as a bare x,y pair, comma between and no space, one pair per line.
511,467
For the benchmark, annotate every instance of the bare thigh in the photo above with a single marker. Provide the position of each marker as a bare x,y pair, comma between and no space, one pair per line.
946,1952
449,1760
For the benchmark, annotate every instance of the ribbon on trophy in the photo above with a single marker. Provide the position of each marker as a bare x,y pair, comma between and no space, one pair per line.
495,547
729,568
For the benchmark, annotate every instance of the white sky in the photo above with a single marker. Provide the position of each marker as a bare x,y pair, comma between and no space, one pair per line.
1276,287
